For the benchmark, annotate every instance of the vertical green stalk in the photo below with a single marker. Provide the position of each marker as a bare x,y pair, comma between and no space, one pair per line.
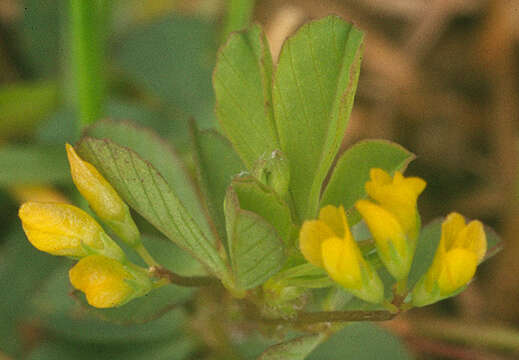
239,14
88,19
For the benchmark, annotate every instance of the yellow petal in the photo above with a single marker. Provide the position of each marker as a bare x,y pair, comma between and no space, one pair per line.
472,237
340,259
384,227
100,195
389,238
311,236
451,227
334,218
415,184
379,176
103,280
59,229
398,196
458,268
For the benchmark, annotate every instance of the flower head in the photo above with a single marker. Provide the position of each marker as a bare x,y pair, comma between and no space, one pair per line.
393,218
107,282
102,198
461,248
327,242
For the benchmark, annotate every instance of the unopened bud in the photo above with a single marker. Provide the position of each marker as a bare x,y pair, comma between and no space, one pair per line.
103,198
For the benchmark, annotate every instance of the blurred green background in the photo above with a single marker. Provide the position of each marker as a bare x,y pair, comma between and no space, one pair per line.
439,77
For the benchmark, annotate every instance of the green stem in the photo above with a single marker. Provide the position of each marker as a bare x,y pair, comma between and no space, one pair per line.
401,287
146,256
239,14
88,19
333,316
187,281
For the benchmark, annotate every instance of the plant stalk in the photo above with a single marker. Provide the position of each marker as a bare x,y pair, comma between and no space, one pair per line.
186,281
334,316
88,23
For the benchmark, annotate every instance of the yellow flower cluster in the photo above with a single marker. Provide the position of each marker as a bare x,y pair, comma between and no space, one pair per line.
103,273
392,218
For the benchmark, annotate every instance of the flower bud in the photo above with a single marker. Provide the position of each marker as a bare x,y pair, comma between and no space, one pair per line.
107,282
461,248
102,198
62,229
327,242
274,172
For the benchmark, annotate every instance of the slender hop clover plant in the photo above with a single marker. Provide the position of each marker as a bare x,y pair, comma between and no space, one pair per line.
260,218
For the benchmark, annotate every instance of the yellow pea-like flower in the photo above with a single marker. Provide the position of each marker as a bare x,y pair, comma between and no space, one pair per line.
328,243
107,282
398,196
102,198
393,218
462,247
62,229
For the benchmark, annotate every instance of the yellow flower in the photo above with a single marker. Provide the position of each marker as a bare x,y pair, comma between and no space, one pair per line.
393,219
108,283
327,242
462,247
102,198
62,229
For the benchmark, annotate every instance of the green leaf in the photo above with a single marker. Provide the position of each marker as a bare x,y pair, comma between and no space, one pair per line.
215,172
295,349
494,243
255,249
361,341
426,246
349,176
261,200
242,85
314,88
161,155
33,164
172,59
146,191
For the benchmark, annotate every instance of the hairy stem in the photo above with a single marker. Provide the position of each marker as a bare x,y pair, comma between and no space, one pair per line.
334,316
186,281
